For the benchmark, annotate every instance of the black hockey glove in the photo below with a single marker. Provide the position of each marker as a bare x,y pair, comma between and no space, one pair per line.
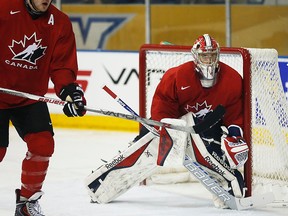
74,95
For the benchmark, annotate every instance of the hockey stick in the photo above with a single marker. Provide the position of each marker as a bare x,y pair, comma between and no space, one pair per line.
194,129
204,178
209,122
123,104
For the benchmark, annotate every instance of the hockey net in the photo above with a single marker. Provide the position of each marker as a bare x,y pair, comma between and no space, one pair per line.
265,113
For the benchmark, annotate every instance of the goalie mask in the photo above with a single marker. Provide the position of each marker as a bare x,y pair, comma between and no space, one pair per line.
205,52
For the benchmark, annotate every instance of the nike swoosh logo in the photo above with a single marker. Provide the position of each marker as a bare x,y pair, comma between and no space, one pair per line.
14,12
184,87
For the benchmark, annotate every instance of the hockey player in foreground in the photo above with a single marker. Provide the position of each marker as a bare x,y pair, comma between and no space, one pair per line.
37,44
186,95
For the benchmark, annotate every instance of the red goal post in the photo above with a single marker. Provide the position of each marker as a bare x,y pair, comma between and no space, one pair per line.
264,104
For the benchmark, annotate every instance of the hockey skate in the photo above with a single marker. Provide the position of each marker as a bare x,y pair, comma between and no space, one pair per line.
28,207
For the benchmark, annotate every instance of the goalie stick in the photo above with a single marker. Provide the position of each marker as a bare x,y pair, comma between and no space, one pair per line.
204,178
123,104
209,122
194,129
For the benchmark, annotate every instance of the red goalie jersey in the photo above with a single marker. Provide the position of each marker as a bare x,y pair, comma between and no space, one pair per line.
180,91
29,52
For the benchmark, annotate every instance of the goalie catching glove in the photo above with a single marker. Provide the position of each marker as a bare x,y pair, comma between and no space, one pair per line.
74,95
234,146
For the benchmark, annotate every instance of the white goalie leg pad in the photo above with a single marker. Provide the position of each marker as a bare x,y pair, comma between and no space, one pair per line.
172,144
124,171
170,155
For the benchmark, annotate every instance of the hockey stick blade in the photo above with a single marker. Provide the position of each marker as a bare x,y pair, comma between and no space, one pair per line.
213,187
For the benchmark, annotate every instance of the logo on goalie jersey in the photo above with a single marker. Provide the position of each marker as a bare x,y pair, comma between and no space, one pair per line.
28,50
200,110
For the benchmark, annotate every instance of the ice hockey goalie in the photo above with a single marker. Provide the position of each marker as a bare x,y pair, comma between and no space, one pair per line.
220,150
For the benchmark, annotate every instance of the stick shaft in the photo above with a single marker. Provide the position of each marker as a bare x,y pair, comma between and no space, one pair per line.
101,111
209,122
128,108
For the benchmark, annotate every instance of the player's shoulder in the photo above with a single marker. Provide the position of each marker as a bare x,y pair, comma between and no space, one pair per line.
224,68
188,64
184,67
174,70
223,65
180,71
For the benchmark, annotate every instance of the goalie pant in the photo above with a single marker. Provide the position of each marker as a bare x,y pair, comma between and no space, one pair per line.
137,163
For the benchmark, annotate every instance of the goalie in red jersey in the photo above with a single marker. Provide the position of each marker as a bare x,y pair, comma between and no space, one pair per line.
198,86
37,44
186,95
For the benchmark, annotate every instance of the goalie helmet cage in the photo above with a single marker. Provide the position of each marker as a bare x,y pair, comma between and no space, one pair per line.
265,108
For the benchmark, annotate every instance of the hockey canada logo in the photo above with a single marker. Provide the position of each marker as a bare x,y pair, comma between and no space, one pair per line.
28,50
200,110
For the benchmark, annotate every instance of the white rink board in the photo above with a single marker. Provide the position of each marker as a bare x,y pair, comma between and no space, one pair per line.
117,70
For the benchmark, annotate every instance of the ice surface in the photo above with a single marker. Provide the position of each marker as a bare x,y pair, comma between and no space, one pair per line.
77,153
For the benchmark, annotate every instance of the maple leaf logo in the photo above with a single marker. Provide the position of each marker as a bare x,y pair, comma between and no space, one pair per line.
28,50
200,110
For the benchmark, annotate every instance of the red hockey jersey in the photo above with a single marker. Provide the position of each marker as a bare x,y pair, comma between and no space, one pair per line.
32,51
180,91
